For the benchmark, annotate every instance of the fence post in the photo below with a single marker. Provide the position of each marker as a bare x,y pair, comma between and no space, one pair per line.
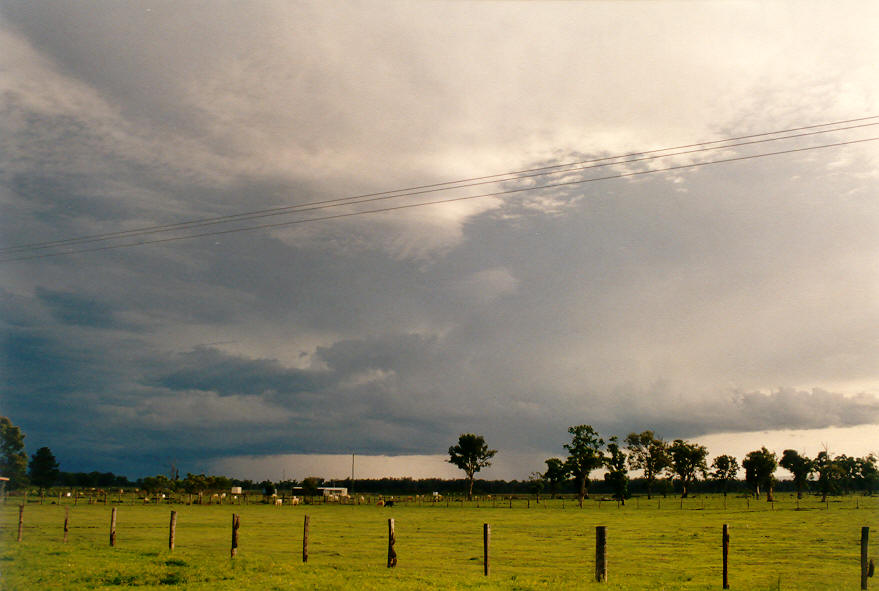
392,539
113,526
865,538
601,553
66,522
305,540
236,522
725,556
486,542
172,530
20,521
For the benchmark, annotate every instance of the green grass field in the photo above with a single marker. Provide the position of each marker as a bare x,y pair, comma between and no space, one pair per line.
439,547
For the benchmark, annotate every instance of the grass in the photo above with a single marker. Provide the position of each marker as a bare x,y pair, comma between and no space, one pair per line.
541,547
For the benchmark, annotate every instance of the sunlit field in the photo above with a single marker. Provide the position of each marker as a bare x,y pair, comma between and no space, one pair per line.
656,544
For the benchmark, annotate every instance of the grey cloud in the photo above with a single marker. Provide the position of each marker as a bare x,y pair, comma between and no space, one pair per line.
678,302
71,308
210,370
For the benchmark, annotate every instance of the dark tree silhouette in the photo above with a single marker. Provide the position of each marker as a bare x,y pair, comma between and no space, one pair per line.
648,453
759,468
617,475
829,474
800,466
471,455
556,473
43,470
687,461
584,456
725,469
13,459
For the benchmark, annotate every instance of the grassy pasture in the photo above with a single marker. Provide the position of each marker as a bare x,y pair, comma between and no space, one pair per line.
438,547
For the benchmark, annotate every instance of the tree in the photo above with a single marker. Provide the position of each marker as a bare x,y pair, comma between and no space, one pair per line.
829,474
869,473
471,455
687,460
849,471
537,482
649,454
759,468
800,466
43,470
725,469
13,459
268,488
616,474
584,456
556,473
153,485
310,485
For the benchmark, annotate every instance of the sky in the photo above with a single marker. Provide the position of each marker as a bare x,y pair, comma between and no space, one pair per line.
732,303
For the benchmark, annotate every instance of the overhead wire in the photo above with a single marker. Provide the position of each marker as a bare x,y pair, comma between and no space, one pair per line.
445,186
440,201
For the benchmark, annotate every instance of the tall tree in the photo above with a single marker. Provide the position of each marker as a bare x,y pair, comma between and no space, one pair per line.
725,469
584,456
44,470
760,468
556,473
13,459
648,453
849,472
471,455
617,474
829,474
800,466
687,461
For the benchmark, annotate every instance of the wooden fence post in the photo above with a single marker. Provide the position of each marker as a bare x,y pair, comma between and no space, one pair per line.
236,522
601,553
725,556
392,540
66,522
486,542
865,538
305,540
172,530
20,521
113,527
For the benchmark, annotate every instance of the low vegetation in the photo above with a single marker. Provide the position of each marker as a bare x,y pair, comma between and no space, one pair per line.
671,544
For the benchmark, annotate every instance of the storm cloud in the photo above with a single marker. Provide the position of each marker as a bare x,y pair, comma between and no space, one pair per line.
721,298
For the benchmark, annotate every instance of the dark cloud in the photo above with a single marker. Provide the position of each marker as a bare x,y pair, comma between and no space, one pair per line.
73,309
210,370
720,299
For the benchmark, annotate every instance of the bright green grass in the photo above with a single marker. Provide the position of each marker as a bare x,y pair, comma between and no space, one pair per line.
544,547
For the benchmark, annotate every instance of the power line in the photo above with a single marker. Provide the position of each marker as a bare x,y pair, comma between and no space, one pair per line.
440,201
445,186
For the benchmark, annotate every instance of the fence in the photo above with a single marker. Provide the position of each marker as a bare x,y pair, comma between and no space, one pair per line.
601,564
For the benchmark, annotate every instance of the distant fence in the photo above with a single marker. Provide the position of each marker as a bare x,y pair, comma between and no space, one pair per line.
781,501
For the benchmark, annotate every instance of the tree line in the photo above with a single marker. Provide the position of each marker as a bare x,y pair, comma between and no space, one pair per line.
664,466
680,461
